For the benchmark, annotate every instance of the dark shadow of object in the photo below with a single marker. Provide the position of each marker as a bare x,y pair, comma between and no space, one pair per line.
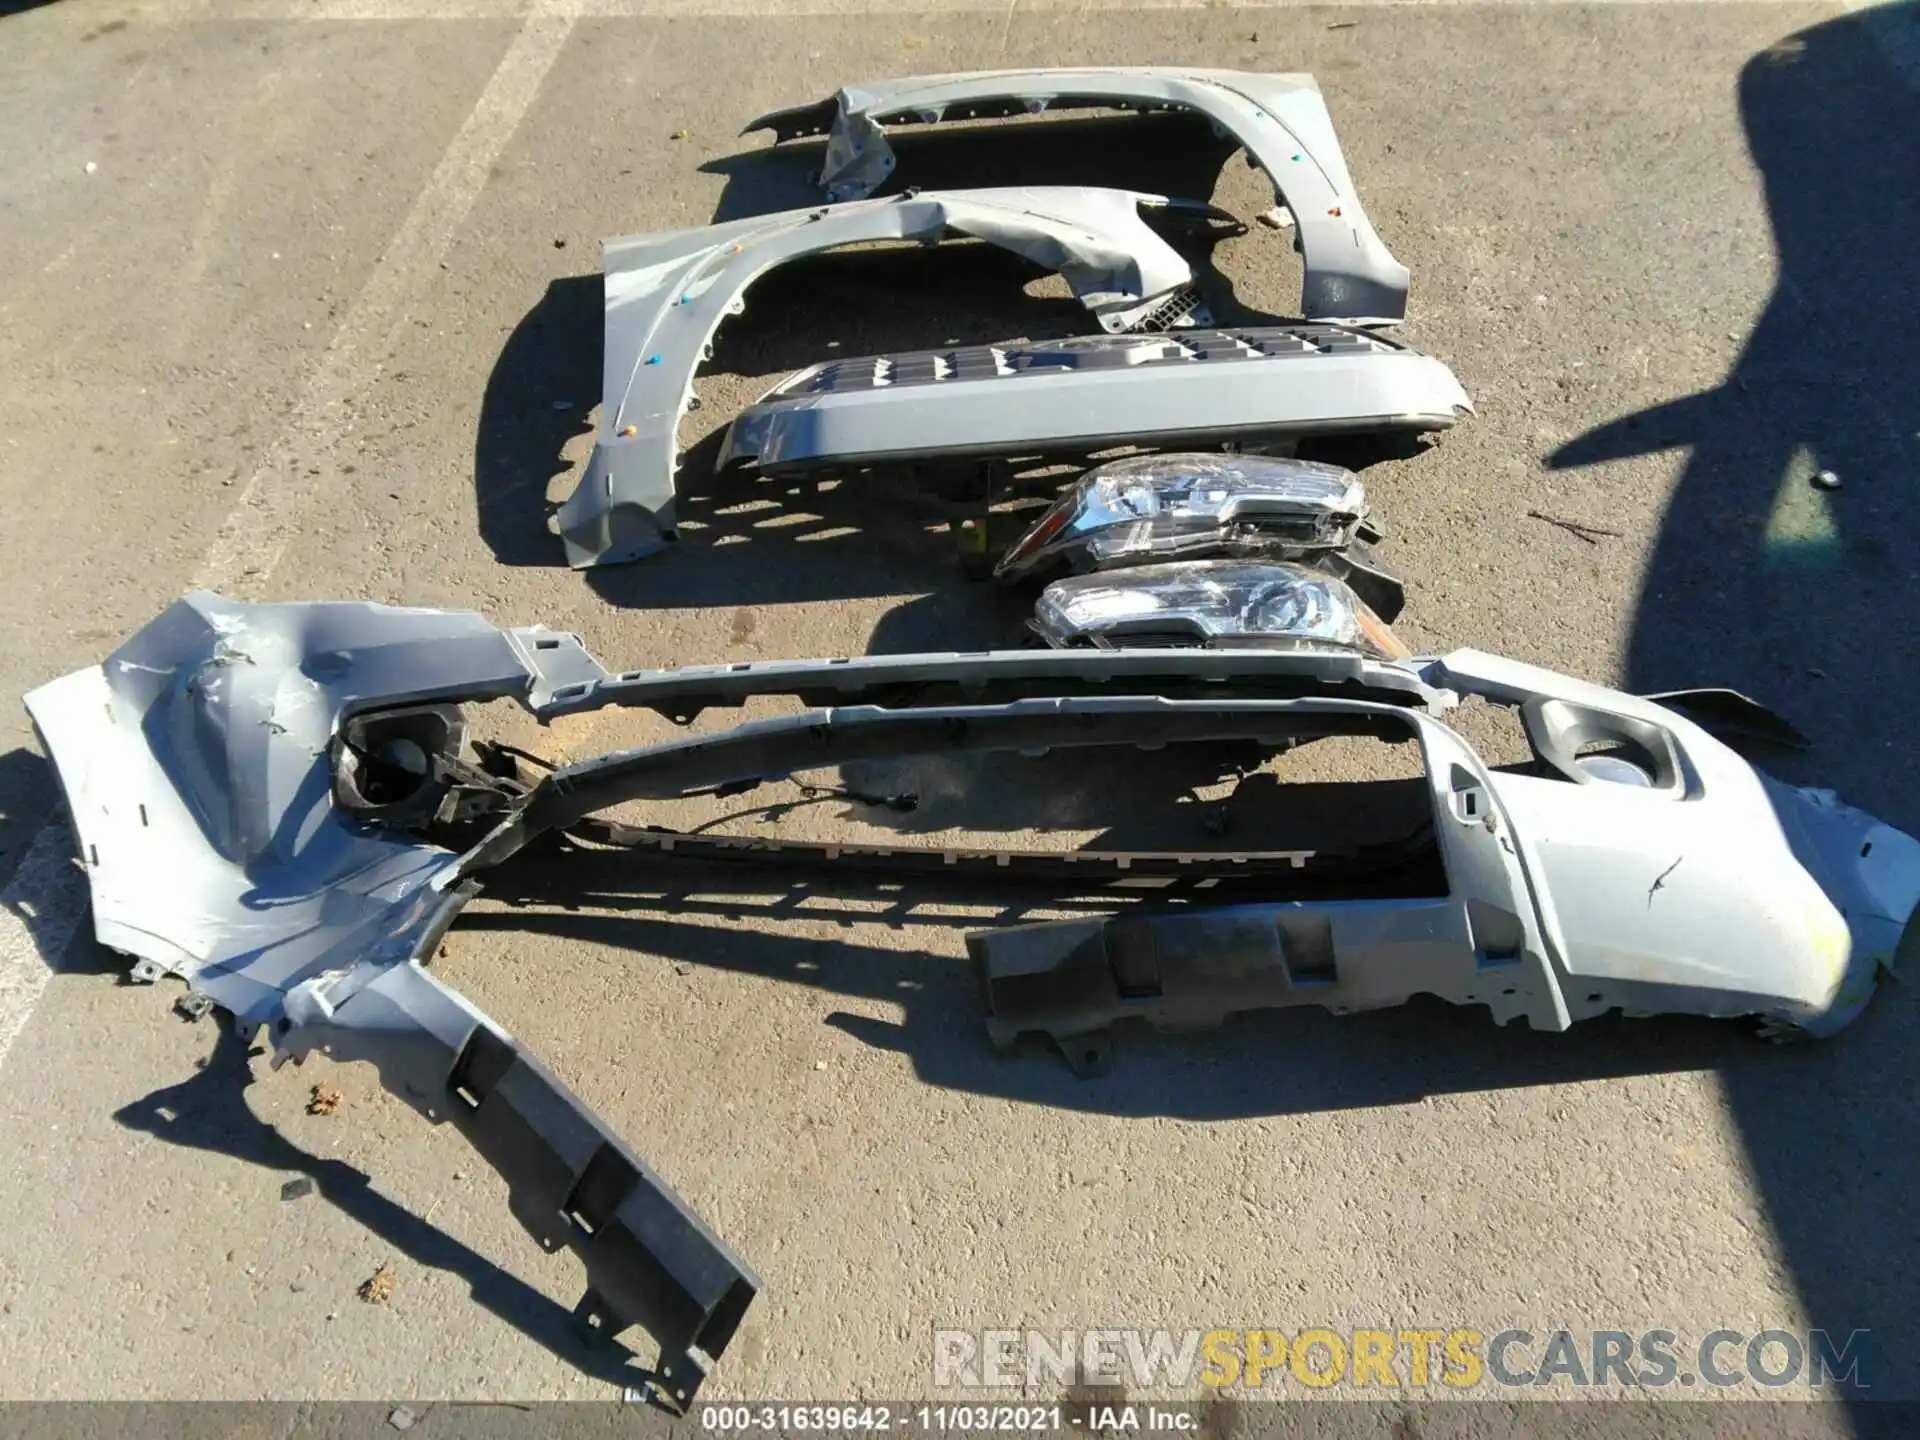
539,397
1808,599
1266,1063
961,615
1760,581
209,1112
1283,1062
29,797
1168,154
31,805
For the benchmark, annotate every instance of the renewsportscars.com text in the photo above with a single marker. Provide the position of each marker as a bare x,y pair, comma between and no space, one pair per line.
1457,1357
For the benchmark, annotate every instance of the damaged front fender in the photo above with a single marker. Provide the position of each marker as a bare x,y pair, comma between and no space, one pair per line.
1282,121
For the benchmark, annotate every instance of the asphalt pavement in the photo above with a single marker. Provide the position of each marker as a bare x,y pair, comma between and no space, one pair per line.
299,299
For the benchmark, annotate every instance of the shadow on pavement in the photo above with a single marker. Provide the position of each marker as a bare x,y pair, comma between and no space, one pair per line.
1258,1064
1264,1063
29,794
538,401
1811,598
209,1112
1760,580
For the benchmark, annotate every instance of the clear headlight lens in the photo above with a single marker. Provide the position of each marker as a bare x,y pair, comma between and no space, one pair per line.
1162,507
1213,602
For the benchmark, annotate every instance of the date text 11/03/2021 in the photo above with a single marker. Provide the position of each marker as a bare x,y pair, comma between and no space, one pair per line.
937,1419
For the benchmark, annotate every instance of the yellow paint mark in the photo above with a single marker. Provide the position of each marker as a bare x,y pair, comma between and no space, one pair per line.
1829,940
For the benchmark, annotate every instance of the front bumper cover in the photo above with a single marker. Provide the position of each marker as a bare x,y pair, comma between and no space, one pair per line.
199,765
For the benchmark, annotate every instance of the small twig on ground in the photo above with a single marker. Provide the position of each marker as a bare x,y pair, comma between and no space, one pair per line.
1576,527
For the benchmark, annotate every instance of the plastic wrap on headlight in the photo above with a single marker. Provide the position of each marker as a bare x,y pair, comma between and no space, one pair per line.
1213,602
1164,507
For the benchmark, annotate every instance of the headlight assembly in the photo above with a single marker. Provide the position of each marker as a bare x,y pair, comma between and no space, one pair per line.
1152,509
1213,602
1164,507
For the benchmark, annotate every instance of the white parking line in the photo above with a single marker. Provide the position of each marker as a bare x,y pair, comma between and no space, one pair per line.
39,911
250,543
45,901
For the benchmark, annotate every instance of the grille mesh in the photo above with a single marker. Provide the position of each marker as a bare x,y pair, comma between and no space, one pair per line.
1011,359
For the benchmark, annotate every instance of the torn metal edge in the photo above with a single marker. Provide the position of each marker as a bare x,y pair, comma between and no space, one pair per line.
195,762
